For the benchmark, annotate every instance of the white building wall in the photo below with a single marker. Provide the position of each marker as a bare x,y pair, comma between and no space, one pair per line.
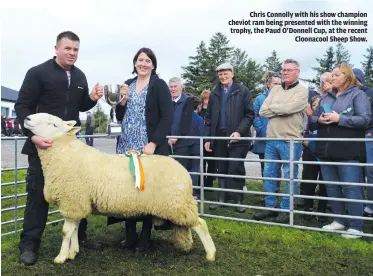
9,106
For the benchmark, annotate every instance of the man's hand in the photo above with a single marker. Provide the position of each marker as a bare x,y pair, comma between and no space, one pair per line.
124,94
41,142
149,148
172,141
235,134
97,92
207,147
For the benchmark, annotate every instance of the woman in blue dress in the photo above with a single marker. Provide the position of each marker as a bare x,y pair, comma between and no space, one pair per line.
146,113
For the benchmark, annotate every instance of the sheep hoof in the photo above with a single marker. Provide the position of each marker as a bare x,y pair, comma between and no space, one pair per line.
72,255
211,257
59,260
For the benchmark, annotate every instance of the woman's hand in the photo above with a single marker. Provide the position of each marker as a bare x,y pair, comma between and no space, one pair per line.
149,148
323,120
332,117
124,94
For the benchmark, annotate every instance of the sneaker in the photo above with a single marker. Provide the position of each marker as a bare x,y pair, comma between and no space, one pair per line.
368,212
334,226
353,234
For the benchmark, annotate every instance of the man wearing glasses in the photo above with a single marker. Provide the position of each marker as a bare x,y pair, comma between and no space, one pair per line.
285,108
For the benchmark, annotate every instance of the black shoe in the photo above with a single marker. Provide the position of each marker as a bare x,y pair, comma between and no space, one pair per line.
283,218
128,244
321,219
307,216
28,258
264,214
143,244
301,202
222,196
239,200
90,245
131,235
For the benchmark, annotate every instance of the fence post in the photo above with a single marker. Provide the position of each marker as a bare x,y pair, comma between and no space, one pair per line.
291,183
201,169
15,184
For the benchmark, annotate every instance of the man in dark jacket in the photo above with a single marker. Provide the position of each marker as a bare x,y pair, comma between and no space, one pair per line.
182,124
89,128
59,88
230,113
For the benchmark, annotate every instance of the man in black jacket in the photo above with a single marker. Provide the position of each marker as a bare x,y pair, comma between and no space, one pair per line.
59,88
230,113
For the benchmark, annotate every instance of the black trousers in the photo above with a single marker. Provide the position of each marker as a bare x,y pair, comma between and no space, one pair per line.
209,167
222,148
312,172
89,140
36,212
261,157
184,151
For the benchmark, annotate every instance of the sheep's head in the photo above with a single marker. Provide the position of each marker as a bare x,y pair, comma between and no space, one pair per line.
49,126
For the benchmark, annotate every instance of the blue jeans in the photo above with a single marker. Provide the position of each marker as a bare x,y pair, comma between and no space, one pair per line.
345,174
369,170
279,150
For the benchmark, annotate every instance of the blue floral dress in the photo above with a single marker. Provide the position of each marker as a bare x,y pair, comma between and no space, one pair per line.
134,124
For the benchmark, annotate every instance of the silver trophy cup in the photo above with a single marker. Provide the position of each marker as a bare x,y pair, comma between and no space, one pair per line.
112,97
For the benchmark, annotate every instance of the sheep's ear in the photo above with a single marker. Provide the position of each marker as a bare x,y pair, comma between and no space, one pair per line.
70,123
74,130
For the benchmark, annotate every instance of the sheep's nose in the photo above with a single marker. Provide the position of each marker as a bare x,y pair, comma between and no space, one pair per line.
28,118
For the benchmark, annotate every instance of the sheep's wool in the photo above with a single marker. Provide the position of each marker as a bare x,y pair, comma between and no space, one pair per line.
103,182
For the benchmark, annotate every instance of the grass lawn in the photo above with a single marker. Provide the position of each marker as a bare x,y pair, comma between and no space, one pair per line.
242,248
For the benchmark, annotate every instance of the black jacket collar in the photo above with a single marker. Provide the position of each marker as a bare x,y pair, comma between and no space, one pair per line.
235,86
290,86
59,66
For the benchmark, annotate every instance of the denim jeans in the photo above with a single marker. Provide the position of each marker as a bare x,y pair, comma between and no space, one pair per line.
279,150
369,170
344,174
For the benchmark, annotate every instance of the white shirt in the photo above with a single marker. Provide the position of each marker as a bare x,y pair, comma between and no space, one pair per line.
177,99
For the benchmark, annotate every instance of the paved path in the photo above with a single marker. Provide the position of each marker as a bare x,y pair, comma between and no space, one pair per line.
102,144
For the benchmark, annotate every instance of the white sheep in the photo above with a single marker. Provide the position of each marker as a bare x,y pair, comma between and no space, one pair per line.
81,181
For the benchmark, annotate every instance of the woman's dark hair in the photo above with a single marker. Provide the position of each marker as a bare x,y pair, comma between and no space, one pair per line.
150,54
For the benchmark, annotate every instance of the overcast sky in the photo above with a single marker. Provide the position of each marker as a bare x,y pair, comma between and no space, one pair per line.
112,31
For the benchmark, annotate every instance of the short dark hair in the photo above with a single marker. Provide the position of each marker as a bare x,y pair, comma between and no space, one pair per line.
70,35
197,102
150,54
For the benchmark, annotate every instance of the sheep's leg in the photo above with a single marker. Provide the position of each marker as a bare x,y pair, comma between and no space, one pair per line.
67,231
204,235
74,245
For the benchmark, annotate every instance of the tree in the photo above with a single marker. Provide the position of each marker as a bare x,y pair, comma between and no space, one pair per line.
196,73
201,74
219,52
273,63
101,119
326,64
251,75
368,67
342,55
